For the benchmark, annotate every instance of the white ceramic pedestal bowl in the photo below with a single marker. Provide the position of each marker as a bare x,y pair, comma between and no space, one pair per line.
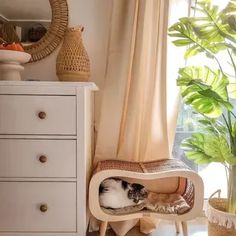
10,64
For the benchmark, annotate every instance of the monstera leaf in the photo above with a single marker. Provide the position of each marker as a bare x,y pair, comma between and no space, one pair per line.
204,148
229,16
212,33
207,33
214,24
232,90
185,32
204,89
213,126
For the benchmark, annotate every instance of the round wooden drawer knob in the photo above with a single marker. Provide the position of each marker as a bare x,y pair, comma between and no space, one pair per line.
43,159
42,115
43,208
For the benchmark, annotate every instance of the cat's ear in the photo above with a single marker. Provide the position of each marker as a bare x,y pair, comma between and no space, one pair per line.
137,187
124,184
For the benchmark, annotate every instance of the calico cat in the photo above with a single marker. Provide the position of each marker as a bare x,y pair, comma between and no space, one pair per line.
116,193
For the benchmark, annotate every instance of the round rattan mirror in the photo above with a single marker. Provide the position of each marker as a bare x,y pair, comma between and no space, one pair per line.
49,42
38,25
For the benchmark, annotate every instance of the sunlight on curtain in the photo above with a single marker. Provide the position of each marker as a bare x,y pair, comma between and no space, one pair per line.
178,9
139,106
139,97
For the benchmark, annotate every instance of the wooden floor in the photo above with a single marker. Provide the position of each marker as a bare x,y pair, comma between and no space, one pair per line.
196,228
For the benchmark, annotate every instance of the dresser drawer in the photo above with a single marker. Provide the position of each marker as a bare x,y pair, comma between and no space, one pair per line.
21,114
37,207
37,158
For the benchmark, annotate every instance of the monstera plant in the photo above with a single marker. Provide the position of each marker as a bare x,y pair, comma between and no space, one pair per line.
211,89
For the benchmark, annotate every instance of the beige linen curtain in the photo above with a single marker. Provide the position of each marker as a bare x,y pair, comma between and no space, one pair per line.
135,122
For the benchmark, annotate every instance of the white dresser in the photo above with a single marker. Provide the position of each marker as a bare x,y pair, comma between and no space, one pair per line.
45,157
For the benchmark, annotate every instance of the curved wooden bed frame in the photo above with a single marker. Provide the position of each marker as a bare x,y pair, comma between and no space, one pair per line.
191,190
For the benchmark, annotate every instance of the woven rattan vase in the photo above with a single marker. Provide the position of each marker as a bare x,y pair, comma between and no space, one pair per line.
220,223
72,61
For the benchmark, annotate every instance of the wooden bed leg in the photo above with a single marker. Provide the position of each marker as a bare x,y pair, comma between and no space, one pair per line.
184,228
103,228
177,227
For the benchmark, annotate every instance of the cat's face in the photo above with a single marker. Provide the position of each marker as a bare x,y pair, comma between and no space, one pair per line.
137,192
117,193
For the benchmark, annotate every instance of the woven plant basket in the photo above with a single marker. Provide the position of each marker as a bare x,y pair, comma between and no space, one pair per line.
220,223
72,61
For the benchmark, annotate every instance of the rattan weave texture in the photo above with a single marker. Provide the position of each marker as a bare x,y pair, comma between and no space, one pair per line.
73,61
215,229
153,167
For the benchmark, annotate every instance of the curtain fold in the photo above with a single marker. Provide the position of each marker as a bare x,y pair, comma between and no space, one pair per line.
143,133
133,120
138,112
121,45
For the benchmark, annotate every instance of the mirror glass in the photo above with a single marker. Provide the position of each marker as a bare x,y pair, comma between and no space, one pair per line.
25,21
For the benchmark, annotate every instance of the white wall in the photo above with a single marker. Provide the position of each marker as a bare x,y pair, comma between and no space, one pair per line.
94,15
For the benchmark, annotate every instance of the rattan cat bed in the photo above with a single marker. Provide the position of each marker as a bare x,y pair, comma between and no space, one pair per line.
186,182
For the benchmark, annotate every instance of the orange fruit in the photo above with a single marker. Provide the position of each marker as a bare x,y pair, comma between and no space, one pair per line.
12,46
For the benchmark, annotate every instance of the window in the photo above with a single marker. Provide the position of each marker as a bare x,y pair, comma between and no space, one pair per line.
213,175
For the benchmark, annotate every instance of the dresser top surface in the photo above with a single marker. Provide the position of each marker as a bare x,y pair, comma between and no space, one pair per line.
44,87
89,85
